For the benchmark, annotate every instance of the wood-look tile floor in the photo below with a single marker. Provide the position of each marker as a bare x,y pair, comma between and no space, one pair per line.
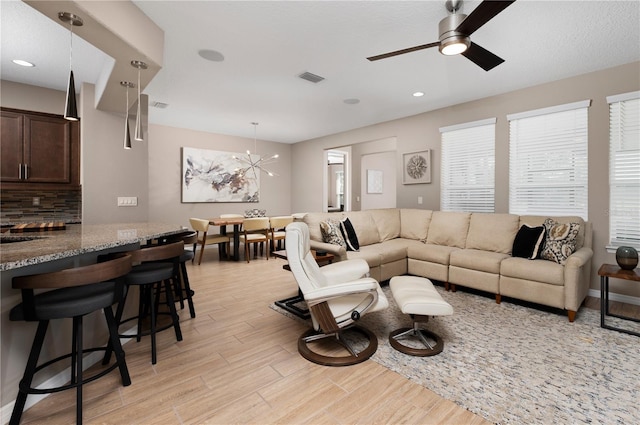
238,363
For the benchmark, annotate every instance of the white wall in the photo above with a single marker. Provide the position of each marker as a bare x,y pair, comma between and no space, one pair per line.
31,98
108,170
165,175
385,162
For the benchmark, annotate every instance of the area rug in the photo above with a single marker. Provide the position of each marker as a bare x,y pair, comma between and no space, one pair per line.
513,364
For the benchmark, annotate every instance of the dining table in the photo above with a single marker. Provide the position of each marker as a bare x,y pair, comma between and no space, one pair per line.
236,222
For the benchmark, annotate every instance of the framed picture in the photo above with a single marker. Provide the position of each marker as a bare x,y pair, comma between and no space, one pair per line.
416,167
215,176
374,181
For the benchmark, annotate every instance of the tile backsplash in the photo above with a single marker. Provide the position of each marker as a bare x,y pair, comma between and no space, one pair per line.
17,206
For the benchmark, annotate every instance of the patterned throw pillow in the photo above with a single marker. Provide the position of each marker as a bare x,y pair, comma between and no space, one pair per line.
331,232
560,240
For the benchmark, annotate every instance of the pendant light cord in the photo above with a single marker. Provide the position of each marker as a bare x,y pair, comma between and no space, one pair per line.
138,94
71,45
255,137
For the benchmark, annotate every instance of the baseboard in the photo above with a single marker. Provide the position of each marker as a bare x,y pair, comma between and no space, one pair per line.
57,380
627,299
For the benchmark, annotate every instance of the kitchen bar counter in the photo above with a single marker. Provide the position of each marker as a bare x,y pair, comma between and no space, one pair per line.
77,239
77,245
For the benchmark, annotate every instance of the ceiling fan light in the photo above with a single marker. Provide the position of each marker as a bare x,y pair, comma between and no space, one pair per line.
454,45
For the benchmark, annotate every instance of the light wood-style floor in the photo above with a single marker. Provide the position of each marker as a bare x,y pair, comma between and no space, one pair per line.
238,363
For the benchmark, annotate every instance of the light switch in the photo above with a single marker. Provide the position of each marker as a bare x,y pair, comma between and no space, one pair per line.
419,200
127,201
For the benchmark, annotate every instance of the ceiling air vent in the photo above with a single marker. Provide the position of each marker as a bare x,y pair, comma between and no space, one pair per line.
159,105
311,77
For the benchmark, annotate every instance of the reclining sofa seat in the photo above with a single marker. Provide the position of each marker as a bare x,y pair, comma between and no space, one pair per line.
467,249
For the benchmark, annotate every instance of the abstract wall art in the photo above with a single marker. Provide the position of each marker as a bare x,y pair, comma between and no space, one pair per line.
216,176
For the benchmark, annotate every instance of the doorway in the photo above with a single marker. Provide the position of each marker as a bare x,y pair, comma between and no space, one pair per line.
337,180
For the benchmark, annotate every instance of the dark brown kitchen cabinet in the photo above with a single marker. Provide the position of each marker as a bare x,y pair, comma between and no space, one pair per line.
39,150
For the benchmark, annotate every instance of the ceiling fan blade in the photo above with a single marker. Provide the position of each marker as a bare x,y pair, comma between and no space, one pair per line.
482,57
481,15
403,51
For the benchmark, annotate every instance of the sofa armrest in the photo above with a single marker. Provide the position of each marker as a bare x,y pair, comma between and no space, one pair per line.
579,258
577,278
339,252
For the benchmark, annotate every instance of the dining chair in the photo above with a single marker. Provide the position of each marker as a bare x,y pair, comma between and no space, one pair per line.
201,227
232,216
255,231
277,225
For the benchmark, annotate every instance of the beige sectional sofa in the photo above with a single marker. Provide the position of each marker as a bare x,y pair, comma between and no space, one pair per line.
467,249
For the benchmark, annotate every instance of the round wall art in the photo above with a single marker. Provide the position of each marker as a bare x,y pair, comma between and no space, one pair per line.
417,167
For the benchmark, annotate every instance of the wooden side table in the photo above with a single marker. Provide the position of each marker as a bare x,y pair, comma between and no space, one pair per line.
292,304
605,272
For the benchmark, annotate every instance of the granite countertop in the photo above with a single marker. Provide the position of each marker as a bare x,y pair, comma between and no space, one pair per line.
76,239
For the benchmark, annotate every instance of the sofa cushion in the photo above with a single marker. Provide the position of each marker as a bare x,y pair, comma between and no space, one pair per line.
365,227
349,235
492,232
536,270
474,259
313,222
414,223
448,228
388,223
331,233
528,242
369,253
439,254
560,240
393,250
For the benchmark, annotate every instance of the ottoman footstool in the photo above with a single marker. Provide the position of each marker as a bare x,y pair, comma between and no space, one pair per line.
417,297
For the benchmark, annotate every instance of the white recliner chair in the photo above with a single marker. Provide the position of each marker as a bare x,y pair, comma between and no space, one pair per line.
337,295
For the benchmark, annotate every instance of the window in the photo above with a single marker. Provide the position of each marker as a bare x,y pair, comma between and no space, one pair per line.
548,170
624,169
468,167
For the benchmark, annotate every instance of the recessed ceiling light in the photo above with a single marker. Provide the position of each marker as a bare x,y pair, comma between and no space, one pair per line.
418,94
22,63
351,101
211,55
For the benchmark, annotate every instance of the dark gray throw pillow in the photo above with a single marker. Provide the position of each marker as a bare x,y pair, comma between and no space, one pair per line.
528,242
349,235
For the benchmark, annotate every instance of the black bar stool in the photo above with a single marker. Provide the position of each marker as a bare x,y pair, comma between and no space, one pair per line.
75,293
183,289
157,268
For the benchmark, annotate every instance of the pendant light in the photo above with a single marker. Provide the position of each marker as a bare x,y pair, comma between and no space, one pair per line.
71,109
138,130
261,162
127,135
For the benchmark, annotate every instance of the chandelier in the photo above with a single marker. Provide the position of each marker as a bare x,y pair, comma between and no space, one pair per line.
253,164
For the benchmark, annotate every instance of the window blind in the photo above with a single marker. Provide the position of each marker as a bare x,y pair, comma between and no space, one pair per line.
468,167
624,170
548,170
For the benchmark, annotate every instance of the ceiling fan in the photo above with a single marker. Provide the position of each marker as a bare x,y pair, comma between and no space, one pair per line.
455,32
